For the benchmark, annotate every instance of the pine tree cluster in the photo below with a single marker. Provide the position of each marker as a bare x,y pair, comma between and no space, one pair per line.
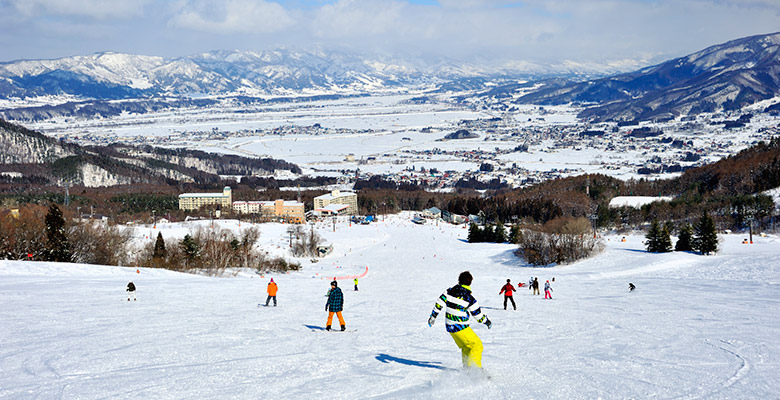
490,233
703,238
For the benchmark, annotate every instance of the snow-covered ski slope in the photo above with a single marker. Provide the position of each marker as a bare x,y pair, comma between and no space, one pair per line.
696,327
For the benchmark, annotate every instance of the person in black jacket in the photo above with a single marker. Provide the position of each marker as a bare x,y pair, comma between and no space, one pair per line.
335,305
536,285
130,291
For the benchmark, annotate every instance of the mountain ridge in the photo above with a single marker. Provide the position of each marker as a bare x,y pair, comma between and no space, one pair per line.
278,71
721,77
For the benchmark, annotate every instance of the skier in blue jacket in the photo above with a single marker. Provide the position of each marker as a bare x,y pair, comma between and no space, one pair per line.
335,305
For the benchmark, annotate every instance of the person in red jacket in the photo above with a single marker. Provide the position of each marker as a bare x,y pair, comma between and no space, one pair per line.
507,291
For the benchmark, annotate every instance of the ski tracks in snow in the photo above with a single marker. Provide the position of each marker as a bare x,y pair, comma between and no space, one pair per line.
741,372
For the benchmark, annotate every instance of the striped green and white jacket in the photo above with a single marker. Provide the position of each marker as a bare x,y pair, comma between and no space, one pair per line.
460,305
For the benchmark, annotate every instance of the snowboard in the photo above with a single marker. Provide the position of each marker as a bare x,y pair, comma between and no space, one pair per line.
322,329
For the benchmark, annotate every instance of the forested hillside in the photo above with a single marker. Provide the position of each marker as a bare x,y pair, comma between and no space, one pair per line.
29,157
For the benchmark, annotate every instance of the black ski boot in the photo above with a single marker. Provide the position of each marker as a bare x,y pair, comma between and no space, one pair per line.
327,328
343,328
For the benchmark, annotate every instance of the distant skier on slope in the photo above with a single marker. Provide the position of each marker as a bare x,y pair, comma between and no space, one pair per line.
130,291
536,285
459,304
335,305
507,291
631,287
531,283
272,289
356,282
547,290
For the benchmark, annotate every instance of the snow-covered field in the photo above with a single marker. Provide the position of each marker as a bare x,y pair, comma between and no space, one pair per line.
695,327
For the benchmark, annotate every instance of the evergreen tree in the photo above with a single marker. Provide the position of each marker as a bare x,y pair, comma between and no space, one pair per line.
159,247
57,247
654,238
475,233
684,239
665,240
706,241
499,235
514,234
190,247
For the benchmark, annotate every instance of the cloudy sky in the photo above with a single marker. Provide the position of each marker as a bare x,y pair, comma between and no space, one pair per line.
600,31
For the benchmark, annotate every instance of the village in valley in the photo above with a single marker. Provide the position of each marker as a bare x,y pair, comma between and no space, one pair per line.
448,141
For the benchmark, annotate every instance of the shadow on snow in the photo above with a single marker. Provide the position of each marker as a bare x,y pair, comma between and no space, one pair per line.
315,327
385,358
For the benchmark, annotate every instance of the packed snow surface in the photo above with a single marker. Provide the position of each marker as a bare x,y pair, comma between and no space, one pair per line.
696,327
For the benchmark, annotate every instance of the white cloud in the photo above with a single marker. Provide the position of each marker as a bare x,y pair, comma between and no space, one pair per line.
99,9
602,31
232,16
358,18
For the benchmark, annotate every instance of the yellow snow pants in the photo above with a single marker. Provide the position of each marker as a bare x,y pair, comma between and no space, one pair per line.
470,347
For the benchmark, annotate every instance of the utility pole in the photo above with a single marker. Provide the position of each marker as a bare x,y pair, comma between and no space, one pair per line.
587,186
67,193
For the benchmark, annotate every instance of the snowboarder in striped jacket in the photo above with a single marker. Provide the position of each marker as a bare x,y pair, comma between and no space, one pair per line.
460,304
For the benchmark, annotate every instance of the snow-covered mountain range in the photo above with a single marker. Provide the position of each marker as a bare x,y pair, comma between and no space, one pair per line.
727,76
277,72
114,75
723,77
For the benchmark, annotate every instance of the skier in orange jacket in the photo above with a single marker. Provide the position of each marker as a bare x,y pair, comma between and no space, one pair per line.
272,288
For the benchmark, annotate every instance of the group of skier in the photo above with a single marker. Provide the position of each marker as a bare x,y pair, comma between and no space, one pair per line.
457,302
533,284
334,304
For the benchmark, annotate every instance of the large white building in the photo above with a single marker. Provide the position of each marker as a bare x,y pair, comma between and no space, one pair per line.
194,201
347,198
290,211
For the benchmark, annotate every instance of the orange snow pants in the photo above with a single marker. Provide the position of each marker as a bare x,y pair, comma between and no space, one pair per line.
338,314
